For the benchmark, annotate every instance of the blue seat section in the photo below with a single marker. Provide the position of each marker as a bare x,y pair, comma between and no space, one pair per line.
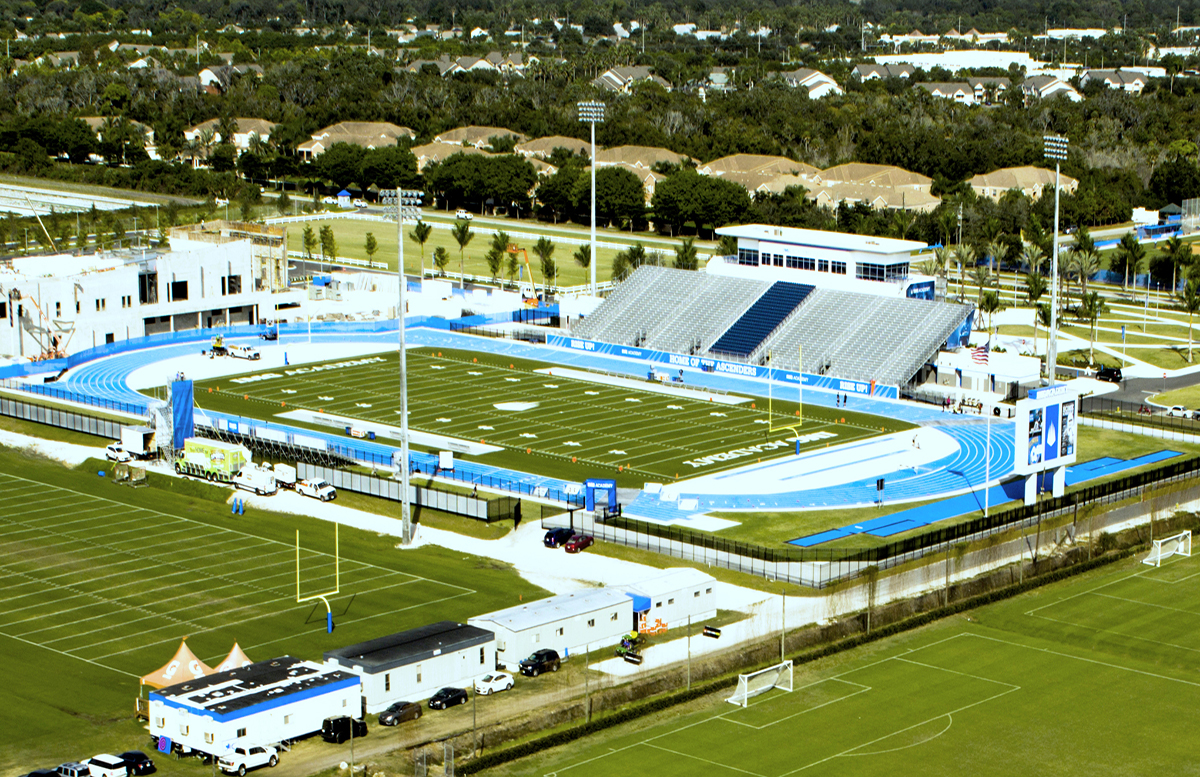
761,319
1013,490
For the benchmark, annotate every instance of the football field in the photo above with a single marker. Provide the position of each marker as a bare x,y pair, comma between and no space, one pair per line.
533,407
1097,676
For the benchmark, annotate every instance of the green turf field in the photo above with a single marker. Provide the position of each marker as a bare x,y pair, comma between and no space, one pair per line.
479,397
101,582
1096,676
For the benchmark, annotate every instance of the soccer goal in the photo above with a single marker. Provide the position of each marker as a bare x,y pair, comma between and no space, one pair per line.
1176,545
751,685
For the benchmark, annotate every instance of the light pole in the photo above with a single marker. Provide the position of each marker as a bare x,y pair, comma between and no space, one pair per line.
1056,149
408,205
592,112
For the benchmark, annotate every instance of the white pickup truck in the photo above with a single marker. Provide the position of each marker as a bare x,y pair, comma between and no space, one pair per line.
317,489
244,758
260,480
243,352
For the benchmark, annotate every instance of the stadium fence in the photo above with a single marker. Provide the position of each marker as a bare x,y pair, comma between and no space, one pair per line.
820,567
63,419
1106,413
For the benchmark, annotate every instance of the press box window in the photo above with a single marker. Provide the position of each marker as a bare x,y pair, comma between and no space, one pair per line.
178,291
241,732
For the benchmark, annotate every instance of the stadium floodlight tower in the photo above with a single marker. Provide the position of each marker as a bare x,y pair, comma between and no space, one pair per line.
592,112
1056,149
408,206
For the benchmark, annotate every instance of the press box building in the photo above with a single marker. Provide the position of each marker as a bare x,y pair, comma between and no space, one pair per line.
567,623
257,704
412,665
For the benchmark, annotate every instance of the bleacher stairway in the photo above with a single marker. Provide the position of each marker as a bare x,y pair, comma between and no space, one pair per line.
741,339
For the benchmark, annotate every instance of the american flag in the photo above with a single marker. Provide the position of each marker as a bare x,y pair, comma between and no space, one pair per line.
980,354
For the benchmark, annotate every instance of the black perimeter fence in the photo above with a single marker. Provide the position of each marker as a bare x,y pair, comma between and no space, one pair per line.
1139,414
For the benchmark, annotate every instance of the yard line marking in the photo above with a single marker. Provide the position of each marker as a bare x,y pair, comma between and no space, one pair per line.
77,658
704,760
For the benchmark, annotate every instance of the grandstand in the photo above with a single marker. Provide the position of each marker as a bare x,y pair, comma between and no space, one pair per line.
844,334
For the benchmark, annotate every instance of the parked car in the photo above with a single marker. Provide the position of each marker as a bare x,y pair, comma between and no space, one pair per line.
244,758
1179,411
544,660
244,352
138,763
329,201
578,543
464,215
340,728
1109,374
556,538
400,712
116,452
270,334
360,203
496,681
105,765
73,769
447,697
317,489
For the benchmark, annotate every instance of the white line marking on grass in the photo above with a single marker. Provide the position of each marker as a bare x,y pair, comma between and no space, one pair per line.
1088,660
513,380
674,407
550,385
704,760
436,367
488,428
592,393
861,689
571,443
1148,604
949,724
722,415
77,658
325,399
472,372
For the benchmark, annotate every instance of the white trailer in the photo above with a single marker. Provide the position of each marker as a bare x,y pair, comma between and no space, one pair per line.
138,441
263,703
285,475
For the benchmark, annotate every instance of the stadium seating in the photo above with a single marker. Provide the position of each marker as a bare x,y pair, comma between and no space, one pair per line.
715,304
619,315
761,319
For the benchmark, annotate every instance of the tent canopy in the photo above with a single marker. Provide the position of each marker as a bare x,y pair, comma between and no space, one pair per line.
235,660
184,666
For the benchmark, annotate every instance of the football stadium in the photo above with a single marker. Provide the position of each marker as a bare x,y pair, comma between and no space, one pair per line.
918,550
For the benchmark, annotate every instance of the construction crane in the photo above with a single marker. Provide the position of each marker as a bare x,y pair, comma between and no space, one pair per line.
530,299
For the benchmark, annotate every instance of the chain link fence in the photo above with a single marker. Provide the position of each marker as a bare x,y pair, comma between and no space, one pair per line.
1106,413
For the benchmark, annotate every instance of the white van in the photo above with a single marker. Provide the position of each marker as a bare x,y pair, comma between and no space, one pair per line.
105,765
260,480
244,352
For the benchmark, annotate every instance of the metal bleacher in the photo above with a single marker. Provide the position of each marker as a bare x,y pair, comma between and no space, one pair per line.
620,319
716,303
767,312
863,336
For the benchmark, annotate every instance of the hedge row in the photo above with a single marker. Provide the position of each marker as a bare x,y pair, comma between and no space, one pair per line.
666,701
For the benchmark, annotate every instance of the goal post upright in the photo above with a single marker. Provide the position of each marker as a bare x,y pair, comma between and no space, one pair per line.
771,427
337,577
759,682
1176,545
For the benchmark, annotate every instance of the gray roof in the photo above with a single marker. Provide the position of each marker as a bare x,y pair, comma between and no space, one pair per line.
554,609
225,693
410,647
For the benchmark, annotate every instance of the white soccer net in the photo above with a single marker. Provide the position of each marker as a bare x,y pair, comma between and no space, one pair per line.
751,685
1176,545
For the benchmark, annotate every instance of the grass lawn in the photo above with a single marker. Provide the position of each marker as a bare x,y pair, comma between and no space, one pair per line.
102,582
1006,689
547,423
101,191
1188,397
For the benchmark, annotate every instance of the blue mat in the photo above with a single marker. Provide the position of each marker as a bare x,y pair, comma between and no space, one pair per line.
1013,490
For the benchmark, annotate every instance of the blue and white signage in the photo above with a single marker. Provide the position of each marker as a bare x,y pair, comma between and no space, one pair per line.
1046,430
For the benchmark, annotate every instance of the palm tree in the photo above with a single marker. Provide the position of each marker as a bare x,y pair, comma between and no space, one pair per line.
995,251
1035,288
989,303
1085,264
1033,257
1091,307
495,260
1131,253
981,276
462,234
544,250
420,233
965,255
686,257
441,258
1180,254
1190,299
583,256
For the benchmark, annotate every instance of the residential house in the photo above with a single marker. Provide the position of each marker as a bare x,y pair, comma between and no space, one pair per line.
247,129
145,63
720,79
640,157
1045,87
438,152
368,134
474,64
975,36
759,164
480,137
64,60
817,83
872,72
97,125
512,64
959,93
878,197
445,66
622,79
988,89
882,176
914,38
221,77
1125,80
544,147
1030,181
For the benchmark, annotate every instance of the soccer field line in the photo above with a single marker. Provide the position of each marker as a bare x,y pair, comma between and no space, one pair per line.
861,689
1086,660
1056,602
1147,604
1148,574
692,757
1121,634
1013,686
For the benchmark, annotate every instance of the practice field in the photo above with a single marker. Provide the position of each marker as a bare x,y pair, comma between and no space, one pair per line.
480,397
1093,677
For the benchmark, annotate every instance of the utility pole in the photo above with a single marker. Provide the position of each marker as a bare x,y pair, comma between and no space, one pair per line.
408,204
1056,149
689,648
592,113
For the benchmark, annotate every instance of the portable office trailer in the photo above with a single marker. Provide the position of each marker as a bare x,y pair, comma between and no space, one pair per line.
412,665
668,600
258,704
568,623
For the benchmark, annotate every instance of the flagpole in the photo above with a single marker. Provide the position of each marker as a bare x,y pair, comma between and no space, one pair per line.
987,478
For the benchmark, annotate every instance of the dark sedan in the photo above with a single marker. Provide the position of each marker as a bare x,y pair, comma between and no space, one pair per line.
447,697
578,543
399,713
